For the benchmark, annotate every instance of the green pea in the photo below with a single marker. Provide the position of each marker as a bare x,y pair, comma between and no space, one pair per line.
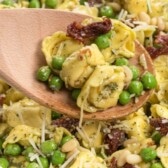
47,147
33,165
135,87
124,98
44,162
107,11
27,151
12,149
43,73
65,139
75,93
156,165
55,115
57,62
156,136
102,41
148,154
121,61
51,3
34,4
135,72
4,163
149,81
55,83
58,158
8,2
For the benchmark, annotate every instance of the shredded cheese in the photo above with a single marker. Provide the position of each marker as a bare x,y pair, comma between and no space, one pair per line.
33,157
73,156
43,127
59,51
31,141
142,61
149,6
82,134
86,135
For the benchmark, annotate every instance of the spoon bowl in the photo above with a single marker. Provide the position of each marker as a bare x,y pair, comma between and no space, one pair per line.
21,34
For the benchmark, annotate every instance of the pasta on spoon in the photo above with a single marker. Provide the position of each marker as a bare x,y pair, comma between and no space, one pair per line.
87,45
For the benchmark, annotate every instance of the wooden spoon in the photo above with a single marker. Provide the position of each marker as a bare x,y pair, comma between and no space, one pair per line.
21,34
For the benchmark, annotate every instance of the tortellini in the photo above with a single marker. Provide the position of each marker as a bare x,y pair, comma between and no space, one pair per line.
162,151
158,110
87,159
135,6
161,64
13,95
59,44
153,7
92,11
3,86
93,133
68,5
59,133
122,42
22,134
22,111
79,66
102,89
137,125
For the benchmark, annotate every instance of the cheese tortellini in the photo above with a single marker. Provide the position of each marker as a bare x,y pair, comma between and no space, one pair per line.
59,44
22,134
121,43
79,66
87,159
21,113
102,89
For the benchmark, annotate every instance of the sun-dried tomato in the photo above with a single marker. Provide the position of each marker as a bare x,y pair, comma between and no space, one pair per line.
161,46
160,124
127,165
89,32
114,139
66,122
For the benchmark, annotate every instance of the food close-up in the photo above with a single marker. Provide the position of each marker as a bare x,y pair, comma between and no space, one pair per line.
113,59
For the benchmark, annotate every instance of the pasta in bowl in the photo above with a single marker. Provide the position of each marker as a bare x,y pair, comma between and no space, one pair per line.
119,143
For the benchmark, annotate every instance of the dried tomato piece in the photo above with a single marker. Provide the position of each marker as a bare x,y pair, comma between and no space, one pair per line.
127,165
161,46
114,139
91,31
66,122
160,124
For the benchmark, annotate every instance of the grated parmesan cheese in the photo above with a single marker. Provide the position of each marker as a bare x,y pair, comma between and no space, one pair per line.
31,141
43,127
83,134
149,6
59,51
142,61
33,157
73,156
